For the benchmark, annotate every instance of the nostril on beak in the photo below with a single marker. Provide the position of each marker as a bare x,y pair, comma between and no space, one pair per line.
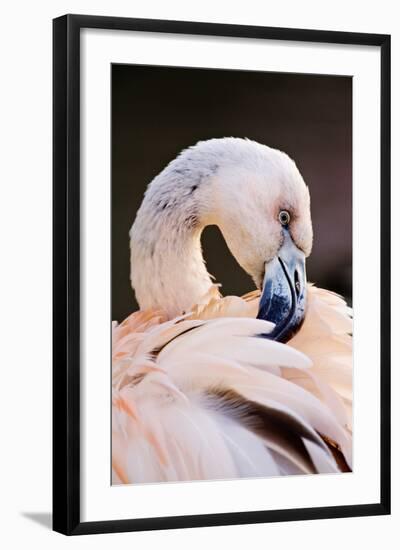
297,282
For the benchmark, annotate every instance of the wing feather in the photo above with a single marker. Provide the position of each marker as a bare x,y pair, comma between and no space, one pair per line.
201,386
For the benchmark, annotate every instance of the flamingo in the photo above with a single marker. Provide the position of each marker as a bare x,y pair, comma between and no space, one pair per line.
208,387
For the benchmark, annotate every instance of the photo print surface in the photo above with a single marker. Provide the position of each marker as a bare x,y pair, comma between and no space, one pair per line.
231,274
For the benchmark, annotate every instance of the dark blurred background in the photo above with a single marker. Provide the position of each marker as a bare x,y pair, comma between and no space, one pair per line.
158,111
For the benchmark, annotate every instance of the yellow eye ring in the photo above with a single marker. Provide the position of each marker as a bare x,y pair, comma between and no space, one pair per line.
284,217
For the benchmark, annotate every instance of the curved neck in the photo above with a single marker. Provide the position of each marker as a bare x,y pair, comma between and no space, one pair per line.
168,271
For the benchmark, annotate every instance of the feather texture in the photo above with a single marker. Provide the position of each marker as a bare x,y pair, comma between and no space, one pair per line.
203,385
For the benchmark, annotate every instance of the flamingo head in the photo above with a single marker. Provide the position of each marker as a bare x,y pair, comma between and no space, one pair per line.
262,206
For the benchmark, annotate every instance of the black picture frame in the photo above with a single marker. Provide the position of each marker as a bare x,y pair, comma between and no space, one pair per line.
66,273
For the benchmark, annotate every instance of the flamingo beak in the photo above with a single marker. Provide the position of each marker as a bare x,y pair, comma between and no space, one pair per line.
283,299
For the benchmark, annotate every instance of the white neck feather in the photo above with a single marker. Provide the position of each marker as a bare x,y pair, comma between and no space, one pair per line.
171,273
167,265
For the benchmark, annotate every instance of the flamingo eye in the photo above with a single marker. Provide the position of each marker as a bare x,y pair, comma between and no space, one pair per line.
284,217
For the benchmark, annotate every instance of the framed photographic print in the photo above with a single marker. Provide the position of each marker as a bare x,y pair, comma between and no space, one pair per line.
221,274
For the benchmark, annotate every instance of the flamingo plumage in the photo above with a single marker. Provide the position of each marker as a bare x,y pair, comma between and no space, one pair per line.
205,386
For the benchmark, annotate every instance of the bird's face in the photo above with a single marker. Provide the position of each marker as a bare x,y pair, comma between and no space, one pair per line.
264,215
